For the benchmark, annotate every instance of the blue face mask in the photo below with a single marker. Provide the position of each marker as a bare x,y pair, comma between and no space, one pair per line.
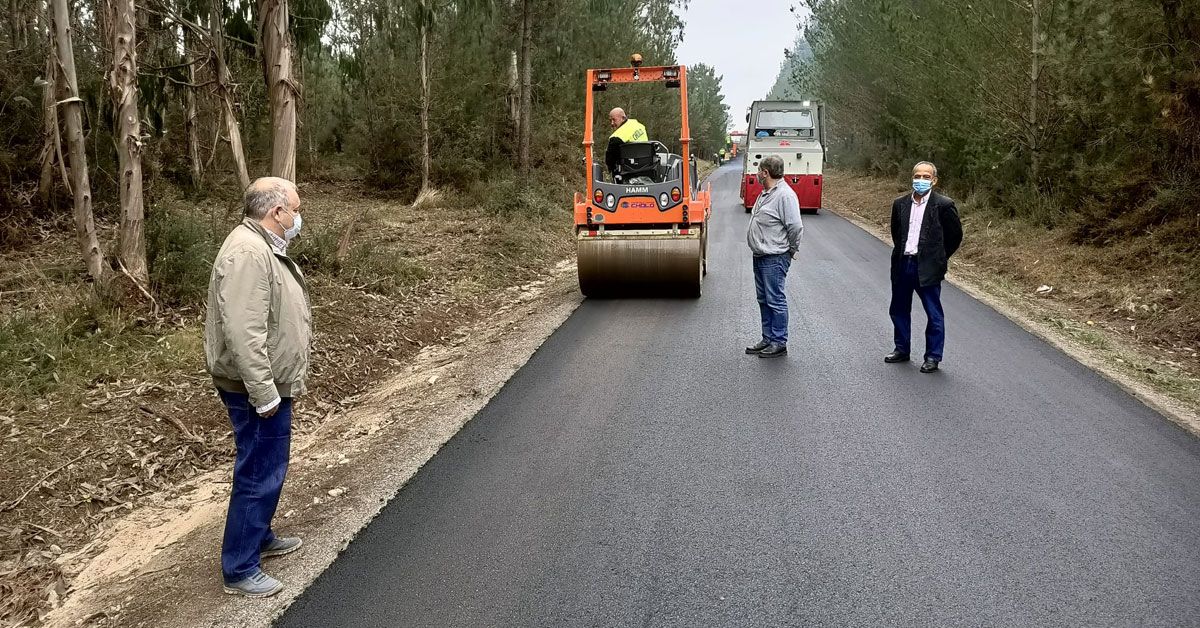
290,233
922,186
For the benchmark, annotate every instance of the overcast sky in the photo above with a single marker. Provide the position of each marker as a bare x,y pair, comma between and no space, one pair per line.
744,40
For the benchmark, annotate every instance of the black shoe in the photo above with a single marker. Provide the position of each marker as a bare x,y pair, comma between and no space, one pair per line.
895,357
773,351
762,344
929,366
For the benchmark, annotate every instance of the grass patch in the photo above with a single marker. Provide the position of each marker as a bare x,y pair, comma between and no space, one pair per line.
382,269
64,350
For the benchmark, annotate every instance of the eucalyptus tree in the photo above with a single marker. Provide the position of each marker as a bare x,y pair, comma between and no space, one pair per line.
275,40
122,82
72,106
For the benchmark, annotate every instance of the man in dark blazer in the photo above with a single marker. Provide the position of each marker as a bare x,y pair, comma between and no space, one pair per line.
926,231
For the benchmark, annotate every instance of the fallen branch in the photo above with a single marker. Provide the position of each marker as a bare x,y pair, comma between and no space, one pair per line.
124,271
187,434
343,247
45,529
16,502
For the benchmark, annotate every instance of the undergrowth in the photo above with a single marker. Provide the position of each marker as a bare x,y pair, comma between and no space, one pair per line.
71,340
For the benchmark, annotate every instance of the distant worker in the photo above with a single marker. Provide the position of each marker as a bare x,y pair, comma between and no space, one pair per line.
774,237
722,155
626,130
926,231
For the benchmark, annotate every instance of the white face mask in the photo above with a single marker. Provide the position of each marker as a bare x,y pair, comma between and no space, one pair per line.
290,233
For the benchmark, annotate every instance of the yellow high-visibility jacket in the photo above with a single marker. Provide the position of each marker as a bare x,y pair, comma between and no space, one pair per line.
631,131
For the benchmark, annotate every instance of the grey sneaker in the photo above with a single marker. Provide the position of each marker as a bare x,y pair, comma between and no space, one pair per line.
281,545
259,584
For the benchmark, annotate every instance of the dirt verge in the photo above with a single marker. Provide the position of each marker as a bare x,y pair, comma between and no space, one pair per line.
159,565
105,411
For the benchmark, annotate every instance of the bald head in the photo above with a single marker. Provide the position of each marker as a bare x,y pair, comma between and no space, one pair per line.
617,117
267,194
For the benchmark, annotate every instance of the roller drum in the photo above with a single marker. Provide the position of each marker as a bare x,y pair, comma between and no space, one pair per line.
641,265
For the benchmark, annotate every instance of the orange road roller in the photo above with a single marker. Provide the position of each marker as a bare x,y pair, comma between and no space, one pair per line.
643,230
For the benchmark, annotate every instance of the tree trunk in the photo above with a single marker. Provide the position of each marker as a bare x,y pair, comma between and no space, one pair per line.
1034,87
16,24
309,141
190,117
85,226
424,43
216,33
21,23
526,85
514,77
51,139
282,87
122,82
514,92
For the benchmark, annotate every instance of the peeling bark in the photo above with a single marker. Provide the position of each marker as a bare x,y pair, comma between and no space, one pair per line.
217,40
426,159
122,84
281,85
190,119
85,225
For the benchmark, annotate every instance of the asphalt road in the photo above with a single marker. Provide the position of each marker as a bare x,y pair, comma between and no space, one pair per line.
641,470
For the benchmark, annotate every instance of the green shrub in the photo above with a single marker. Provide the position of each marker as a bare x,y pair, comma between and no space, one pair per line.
316,250
180,247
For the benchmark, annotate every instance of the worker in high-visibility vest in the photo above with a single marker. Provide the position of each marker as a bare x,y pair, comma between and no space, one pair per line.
626,129
722,160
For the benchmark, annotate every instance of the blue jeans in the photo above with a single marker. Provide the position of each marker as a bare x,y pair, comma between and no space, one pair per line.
263,446
770,273
901,311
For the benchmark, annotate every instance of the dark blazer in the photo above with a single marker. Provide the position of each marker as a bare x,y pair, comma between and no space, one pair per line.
941,234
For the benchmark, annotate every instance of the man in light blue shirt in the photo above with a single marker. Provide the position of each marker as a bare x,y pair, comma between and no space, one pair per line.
774,237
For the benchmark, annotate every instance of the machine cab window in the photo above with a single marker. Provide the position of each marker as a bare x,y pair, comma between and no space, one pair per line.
785,124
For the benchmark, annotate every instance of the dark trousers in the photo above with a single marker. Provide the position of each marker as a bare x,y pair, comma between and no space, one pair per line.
263,445
903,287
770,275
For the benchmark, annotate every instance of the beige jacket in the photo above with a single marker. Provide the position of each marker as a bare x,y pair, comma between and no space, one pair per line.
259,326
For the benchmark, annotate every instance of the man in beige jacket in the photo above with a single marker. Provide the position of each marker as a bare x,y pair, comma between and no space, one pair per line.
256,341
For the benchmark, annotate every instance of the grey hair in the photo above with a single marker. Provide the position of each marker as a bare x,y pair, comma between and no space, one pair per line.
773,164
260,199
926,163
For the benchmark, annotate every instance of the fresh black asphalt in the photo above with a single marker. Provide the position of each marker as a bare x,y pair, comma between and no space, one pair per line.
641,470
